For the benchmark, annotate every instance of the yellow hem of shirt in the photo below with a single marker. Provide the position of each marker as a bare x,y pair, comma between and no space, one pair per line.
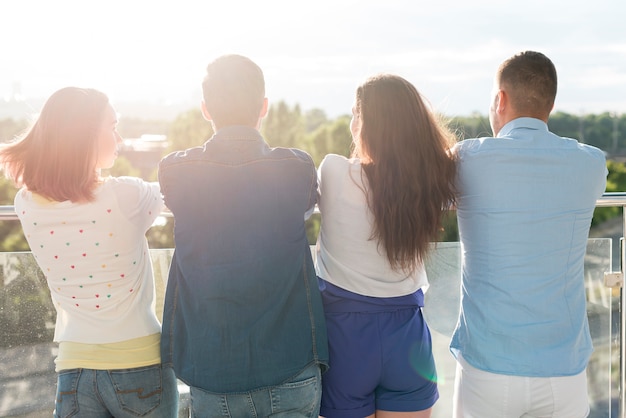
129,354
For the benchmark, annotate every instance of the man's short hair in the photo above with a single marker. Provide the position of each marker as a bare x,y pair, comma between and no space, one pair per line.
233,90
531,82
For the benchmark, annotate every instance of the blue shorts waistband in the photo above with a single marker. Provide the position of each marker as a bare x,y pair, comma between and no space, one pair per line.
337,299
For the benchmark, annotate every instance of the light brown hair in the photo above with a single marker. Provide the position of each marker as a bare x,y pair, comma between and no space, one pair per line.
56,157
410,173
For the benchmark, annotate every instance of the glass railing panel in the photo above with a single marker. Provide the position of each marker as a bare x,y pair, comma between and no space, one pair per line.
604,323
441,309
27,377
27,352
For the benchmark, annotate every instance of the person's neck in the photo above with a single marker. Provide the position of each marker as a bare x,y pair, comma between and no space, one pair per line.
534,115
233,125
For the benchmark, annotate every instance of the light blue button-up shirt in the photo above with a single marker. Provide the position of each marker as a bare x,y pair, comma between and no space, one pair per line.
525,203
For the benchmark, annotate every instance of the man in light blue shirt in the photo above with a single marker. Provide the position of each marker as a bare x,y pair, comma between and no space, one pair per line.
524,207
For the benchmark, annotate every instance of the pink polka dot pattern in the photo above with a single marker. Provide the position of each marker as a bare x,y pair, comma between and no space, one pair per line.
94,257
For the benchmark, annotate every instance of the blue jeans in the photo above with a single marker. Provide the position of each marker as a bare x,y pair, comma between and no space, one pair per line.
297,397
150,391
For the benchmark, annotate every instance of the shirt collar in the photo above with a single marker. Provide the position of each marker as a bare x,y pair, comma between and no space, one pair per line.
237,133
522,123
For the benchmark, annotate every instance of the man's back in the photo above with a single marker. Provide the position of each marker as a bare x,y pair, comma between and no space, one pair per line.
242,309
524,208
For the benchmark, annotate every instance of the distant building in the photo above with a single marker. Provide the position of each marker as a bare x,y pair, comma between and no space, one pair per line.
144,152
145,143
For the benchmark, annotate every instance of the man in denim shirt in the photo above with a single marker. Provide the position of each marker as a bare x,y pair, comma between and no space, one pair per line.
243,323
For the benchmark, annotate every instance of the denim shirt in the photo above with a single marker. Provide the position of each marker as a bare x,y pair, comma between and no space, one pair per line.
242,307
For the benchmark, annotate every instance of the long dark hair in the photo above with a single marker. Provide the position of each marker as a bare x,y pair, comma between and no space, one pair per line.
404,149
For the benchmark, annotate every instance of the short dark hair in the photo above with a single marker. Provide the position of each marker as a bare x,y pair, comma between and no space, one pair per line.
233,90
531,81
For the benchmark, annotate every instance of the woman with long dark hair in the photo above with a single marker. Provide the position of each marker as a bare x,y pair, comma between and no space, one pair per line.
381,209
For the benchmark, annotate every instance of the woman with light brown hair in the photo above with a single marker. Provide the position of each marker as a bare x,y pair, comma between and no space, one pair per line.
87,234
380,211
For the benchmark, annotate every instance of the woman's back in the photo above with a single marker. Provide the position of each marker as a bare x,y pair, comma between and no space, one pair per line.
347,256
95,258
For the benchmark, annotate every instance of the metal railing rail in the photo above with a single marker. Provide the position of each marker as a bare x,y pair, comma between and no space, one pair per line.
7,213
609,199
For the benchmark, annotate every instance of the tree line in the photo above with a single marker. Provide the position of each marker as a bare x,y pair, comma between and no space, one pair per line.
313,131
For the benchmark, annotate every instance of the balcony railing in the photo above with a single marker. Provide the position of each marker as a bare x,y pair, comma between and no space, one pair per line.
27,377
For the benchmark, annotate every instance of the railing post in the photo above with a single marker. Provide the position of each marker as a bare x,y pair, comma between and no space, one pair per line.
622,334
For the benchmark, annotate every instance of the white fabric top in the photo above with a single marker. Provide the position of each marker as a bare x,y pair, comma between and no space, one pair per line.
96,260
346,256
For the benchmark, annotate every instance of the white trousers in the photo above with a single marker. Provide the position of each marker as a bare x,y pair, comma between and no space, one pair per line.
480,394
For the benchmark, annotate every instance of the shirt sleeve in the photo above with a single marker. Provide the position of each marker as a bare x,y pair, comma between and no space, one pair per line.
313,193
330,168
140,200
321,174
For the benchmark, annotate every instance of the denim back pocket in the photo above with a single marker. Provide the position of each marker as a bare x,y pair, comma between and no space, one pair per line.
301,395
66,402
138,390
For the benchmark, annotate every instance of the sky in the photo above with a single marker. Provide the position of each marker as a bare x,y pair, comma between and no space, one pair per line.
313,53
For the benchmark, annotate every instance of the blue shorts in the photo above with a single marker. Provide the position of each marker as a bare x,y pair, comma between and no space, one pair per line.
380,355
